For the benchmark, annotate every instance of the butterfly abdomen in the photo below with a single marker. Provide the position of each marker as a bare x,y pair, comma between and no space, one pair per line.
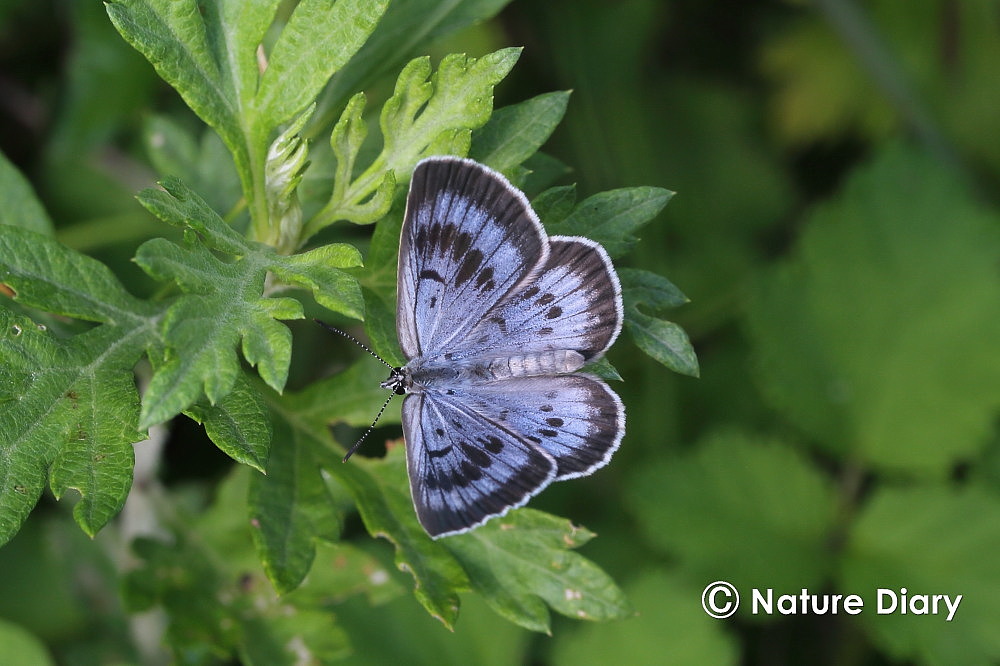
554,362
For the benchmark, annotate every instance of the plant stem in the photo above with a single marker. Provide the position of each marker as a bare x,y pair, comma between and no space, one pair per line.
875,57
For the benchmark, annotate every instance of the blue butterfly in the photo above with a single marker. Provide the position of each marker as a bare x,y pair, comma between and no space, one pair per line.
495,318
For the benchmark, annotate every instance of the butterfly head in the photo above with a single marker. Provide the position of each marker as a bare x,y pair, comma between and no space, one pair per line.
398,381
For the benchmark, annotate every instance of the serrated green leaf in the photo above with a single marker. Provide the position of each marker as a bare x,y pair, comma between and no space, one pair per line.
405,30
178,205
734,507
99,458
224,305
70,404
878,336
930,541
290,508
69,409
173,37
611,217
426,115
235,30
664,341
379,488
21,207
670,627
318,270
514,133
522,562
318,40
50,276
238,424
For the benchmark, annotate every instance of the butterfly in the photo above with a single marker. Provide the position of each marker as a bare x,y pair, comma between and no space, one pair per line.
495,319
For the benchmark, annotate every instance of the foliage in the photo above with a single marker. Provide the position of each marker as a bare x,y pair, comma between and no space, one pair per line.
835,229
254,76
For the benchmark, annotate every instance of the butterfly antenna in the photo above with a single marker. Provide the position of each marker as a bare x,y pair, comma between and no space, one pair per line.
355,341
385,404
357,444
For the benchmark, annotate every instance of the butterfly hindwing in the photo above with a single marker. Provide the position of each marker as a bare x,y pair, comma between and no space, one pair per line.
576,419
465,468
468,238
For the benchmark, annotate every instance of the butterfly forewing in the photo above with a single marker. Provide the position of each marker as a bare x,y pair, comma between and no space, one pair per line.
574,303
467,240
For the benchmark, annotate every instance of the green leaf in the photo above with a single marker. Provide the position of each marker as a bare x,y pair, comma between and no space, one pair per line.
555,204
71,405
610,218
50,276
318,271
70,410
426,115
522,563
174,38
318,40
379,488
352,397
224,304
290,508
670,627
734,507
21,207
514,133
178,205
203,333
878,336
930,541
342,570
180,577
406,29
665,341
238,424
19,647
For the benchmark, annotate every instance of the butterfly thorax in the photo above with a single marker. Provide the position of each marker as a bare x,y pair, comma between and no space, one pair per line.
422,373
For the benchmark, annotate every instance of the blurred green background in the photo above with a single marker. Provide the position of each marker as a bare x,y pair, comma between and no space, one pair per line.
836,228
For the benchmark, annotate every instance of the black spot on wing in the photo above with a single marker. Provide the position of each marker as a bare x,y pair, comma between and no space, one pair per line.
554,312
485,279
461,245
546,299
530,292
429,274
492,443
475,455
469,267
